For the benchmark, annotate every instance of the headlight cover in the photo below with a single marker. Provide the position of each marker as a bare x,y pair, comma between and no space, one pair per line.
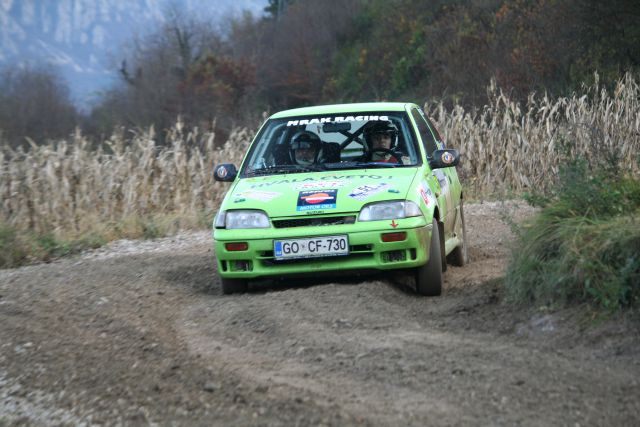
248,218
389,210
218,221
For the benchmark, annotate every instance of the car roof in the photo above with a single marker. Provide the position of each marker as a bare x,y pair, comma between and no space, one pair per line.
363,107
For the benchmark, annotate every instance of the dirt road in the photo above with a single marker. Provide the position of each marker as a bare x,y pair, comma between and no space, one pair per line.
139,334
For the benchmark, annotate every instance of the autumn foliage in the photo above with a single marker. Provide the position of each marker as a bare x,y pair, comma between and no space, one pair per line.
304,52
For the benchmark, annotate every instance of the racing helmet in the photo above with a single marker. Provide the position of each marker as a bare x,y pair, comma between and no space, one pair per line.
385,127
304,148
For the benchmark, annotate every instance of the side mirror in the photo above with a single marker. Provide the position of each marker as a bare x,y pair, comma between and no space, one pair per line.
225,172
444,158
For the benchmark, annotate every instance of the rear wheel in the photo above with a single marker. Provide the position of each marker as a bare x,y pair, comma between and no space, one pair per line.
429,276
459,256
234,286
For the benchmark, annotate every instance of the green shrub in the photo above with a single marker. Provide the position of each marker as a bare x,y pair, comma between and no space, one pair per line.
19,247
12,250
563,260
584,244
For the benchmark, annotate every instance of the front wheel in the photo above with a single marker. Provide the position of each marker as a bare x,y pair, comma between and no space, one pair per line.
234,286
429,276
460,256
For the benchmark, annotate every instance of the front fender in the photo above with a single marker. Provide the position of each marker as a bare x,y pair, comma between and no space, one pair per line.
424,195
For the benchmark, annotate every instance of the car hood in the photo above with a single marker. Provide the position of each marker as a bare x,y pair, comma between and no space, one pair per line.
319,192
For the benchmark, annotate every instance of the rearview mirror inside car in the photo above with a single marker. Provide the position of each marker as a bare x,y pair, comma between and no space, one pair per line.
336,127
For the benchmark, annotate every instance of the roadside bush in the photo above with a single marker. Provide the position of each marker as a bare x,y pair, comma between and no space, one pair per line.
12,250
584,245
19,247
64,196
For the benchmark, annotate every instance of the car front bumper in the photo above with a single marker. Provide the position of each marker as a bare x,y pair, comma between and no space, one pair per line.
367,251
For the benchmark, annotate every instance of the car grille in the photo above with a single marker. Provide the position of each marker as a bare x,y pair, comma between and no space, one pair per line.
305,222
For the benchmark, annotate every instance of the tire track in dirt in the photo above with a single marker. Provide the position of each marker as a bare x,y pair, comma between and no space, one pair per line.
138,333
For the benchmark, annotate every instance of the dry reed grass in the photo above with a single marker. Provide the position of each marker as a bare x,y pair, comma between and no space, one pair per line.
507,147
69,188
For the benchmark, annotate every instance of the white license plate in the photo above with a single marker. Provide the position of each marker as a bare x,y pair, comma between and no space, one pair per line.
311,248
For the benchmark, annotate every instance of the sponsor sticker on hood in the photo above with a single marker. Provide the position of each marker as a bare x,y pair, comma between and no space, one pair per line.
363,192
318,185
314,199
341,191
262,196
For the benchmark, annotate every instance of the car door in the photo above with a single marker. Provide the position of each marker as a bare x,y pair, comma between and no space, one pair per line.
455,191
451,172
438,179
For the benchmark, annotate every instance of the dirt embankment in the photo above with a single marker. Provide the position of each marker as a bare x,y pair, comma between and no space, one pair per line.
139,333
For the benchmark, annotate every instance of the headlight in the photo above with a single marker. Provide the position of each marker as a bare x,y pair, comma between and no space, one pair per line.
218,222
242,219
389,210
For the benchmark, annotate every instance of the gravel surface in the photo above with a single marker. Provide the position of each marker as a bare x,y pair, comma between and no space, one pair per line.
139,333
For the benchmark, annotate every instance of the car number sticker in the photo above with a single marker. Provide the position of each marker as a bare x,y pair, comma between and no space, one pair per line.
363,192
318,185
317,199
313,247
261,196
427,194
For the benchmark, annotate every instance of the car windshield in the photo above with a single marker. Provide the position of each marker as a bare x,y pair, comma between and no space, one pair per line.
332,142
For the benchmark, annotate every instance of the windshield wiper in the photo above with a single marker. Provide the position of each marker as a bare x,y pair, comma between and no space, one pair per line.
274,169
269,170
311,168
360,165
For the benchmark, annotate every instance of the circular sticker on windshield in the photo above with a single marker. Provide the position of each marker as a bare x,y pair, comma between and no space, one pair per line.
447,158
222,171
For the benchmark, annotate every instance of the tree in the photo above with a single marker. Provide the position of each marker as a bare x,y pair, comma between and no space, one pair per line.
34,103
609,38
217,84
154,87
277,8
294,54
305,52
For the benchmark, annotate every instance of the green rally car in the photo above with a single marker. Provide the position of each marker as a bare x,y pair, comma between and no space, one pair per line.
342,188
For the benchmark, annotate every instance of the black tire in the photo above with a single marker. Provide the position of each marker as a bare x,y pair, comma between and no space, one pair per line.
443,255
429,276
460,256
234,286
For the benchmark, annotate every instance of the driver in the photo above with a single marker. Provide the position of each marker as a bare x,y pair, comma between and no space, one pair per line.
381,137
305,148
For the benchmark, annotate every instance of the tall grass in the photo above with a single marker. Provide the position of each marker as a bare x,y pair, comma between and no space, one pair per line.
129,186
584,244
68,188
63,196
508,147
